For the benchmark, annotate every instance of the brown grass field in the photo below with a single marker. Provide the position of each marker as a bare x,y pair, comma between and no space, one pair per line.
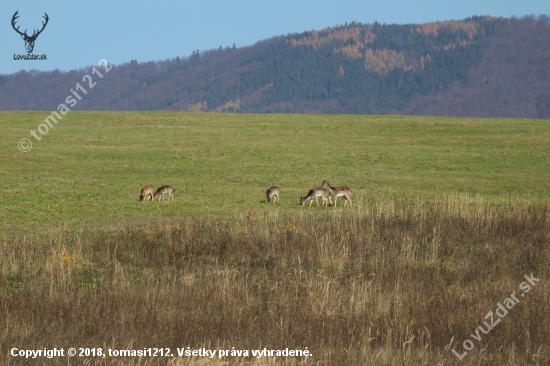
395,283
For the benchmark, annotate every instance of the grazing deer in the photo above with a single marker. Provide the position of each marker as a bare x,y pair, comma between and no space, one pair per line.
338,192
161,191
272,192
146,191
315,193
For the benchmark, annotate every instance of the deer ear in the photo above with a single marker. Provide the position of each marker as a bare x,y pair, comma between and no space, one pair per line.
22,36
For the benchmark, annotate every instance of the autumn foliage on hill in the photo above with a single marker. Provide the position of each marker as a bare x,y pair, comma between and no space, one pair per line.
480,66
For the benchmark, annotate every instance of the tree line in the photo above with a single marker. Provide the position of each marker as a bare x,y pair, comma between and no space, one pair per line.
350,68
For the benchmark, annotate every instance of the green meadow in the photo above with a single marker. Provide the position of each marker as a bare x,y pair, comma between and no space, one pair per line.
91,166
449,220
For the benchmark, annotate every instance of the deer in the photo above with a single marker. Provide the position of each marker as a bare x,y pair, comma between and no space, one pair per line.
29,40
314,194
161,191
146,191
272,193
338,192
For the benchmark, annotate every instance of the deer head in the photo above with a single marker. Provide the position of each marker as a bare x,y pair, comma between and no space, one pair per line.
29,40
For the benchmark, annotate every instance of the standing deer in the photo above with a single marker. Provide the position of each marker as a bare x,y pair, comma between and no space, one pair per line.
314,194
338,192
161,191
29,40
272,192
146,191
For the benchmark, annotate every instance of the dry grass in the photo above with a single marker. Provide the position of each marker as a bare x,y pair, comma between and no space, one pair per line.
397,281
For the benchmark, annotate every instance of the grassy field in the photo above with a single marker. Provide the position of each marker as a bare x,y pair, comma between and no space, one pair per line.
90,167
448,217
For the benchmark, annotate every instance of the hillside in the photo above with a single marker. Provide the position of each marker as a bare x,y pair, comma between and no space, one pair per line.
480,66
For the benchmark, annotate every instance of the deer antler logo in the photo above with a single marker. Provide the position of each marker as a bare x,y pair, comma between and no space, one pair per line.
29,40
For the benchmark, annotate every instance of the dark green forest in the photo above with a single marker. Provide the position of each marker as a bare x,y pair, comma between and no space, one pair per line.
479,66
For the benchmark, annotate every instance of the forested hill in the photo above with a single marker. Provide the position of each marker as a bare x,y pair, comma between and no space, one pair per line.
480,66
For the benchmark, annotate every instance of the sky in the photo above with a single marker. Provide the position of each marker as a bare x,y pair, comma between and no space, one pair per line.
80,33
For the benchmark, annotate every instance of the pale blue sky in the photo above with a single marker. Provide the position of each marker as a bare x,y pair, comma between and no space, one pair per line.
80,33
